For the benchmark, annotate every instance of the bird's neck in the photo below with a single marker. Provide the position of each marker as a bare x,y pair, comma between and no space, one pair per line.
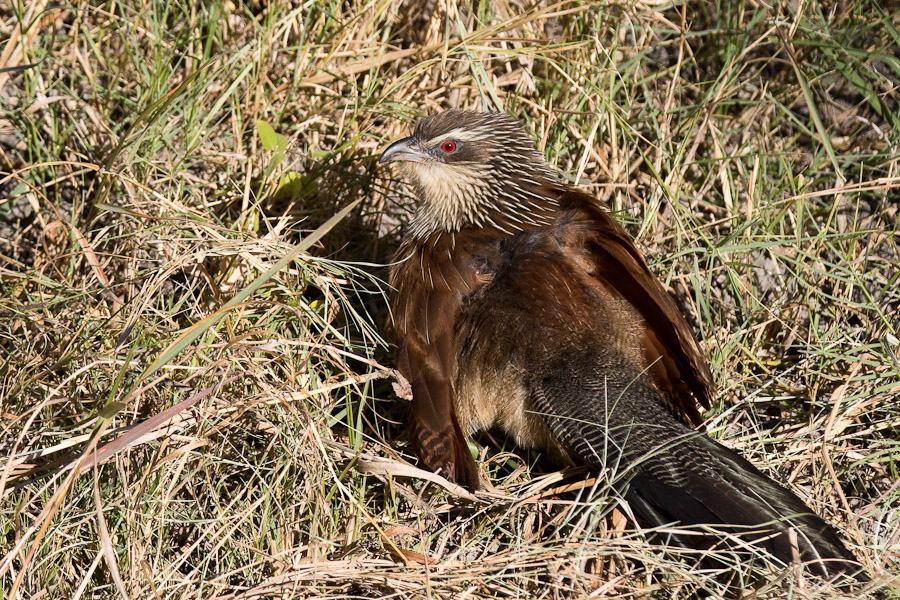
507,211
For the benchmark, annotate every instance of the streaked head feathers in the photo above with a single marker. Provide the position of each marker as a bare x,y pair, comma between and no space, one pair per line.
473,169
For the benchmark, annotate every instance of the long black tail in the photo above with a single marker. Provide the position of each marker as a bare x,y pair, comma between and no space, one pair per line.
669,473
703,482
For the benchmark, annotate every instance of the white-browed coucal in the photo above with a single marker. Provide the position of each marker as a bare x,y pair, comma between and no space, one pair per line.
519,303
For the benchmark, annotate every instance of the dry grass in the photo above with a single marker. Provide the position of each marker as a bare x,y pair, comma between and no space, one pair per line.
184,416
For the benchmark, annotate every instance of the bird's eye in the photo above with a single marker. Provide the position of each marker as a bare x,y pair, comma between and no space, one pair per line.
449,147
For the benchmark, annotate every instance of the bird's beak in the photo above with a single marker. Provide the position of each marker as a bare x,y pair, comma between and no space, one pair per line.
402,150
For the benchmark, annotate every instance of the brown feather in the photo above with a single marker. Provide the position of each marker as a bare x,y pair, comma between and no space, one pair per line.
429,280
673,357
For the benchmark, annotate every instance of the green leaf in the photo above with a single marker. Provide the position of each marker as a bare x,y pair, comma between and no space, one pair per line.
267,135
296,185
272,141
20,189
110,410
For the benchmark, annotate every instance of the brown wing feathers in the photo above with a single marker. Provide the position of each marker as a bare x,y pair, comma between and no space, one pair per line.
676,362
429,281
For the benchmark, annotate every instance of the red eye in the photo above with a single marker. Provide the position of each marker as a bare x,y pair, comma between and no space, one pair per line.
449,147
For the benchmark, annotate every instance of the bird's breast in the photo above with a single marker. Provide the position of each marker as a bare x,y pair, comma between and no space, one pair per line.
536,305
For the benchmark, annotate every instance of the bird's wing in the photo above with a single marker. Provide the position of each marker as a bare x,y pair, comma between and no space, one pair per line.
428,284
433,428
675,361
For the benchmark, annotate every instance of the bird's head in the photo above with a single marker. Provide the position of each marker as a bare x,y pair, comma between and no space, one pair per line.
473,169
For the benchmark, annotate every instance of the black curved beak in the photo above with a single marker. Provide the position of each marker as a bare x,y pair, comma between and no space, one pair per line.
402,150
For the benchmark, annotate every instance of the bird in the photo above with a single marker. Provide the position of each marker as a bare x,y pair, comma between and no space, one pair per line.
518,303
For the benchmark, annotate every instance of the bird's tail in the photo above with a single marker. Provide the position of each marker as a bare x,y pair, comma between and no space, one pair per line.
701,482
670,474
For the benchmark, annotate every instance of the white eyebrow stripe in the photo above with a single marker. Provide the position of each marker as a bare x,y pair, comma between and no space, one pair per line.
462,134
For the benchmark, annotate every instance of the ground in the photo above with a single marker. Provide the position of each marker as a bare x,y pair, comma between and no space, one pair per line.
196,401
